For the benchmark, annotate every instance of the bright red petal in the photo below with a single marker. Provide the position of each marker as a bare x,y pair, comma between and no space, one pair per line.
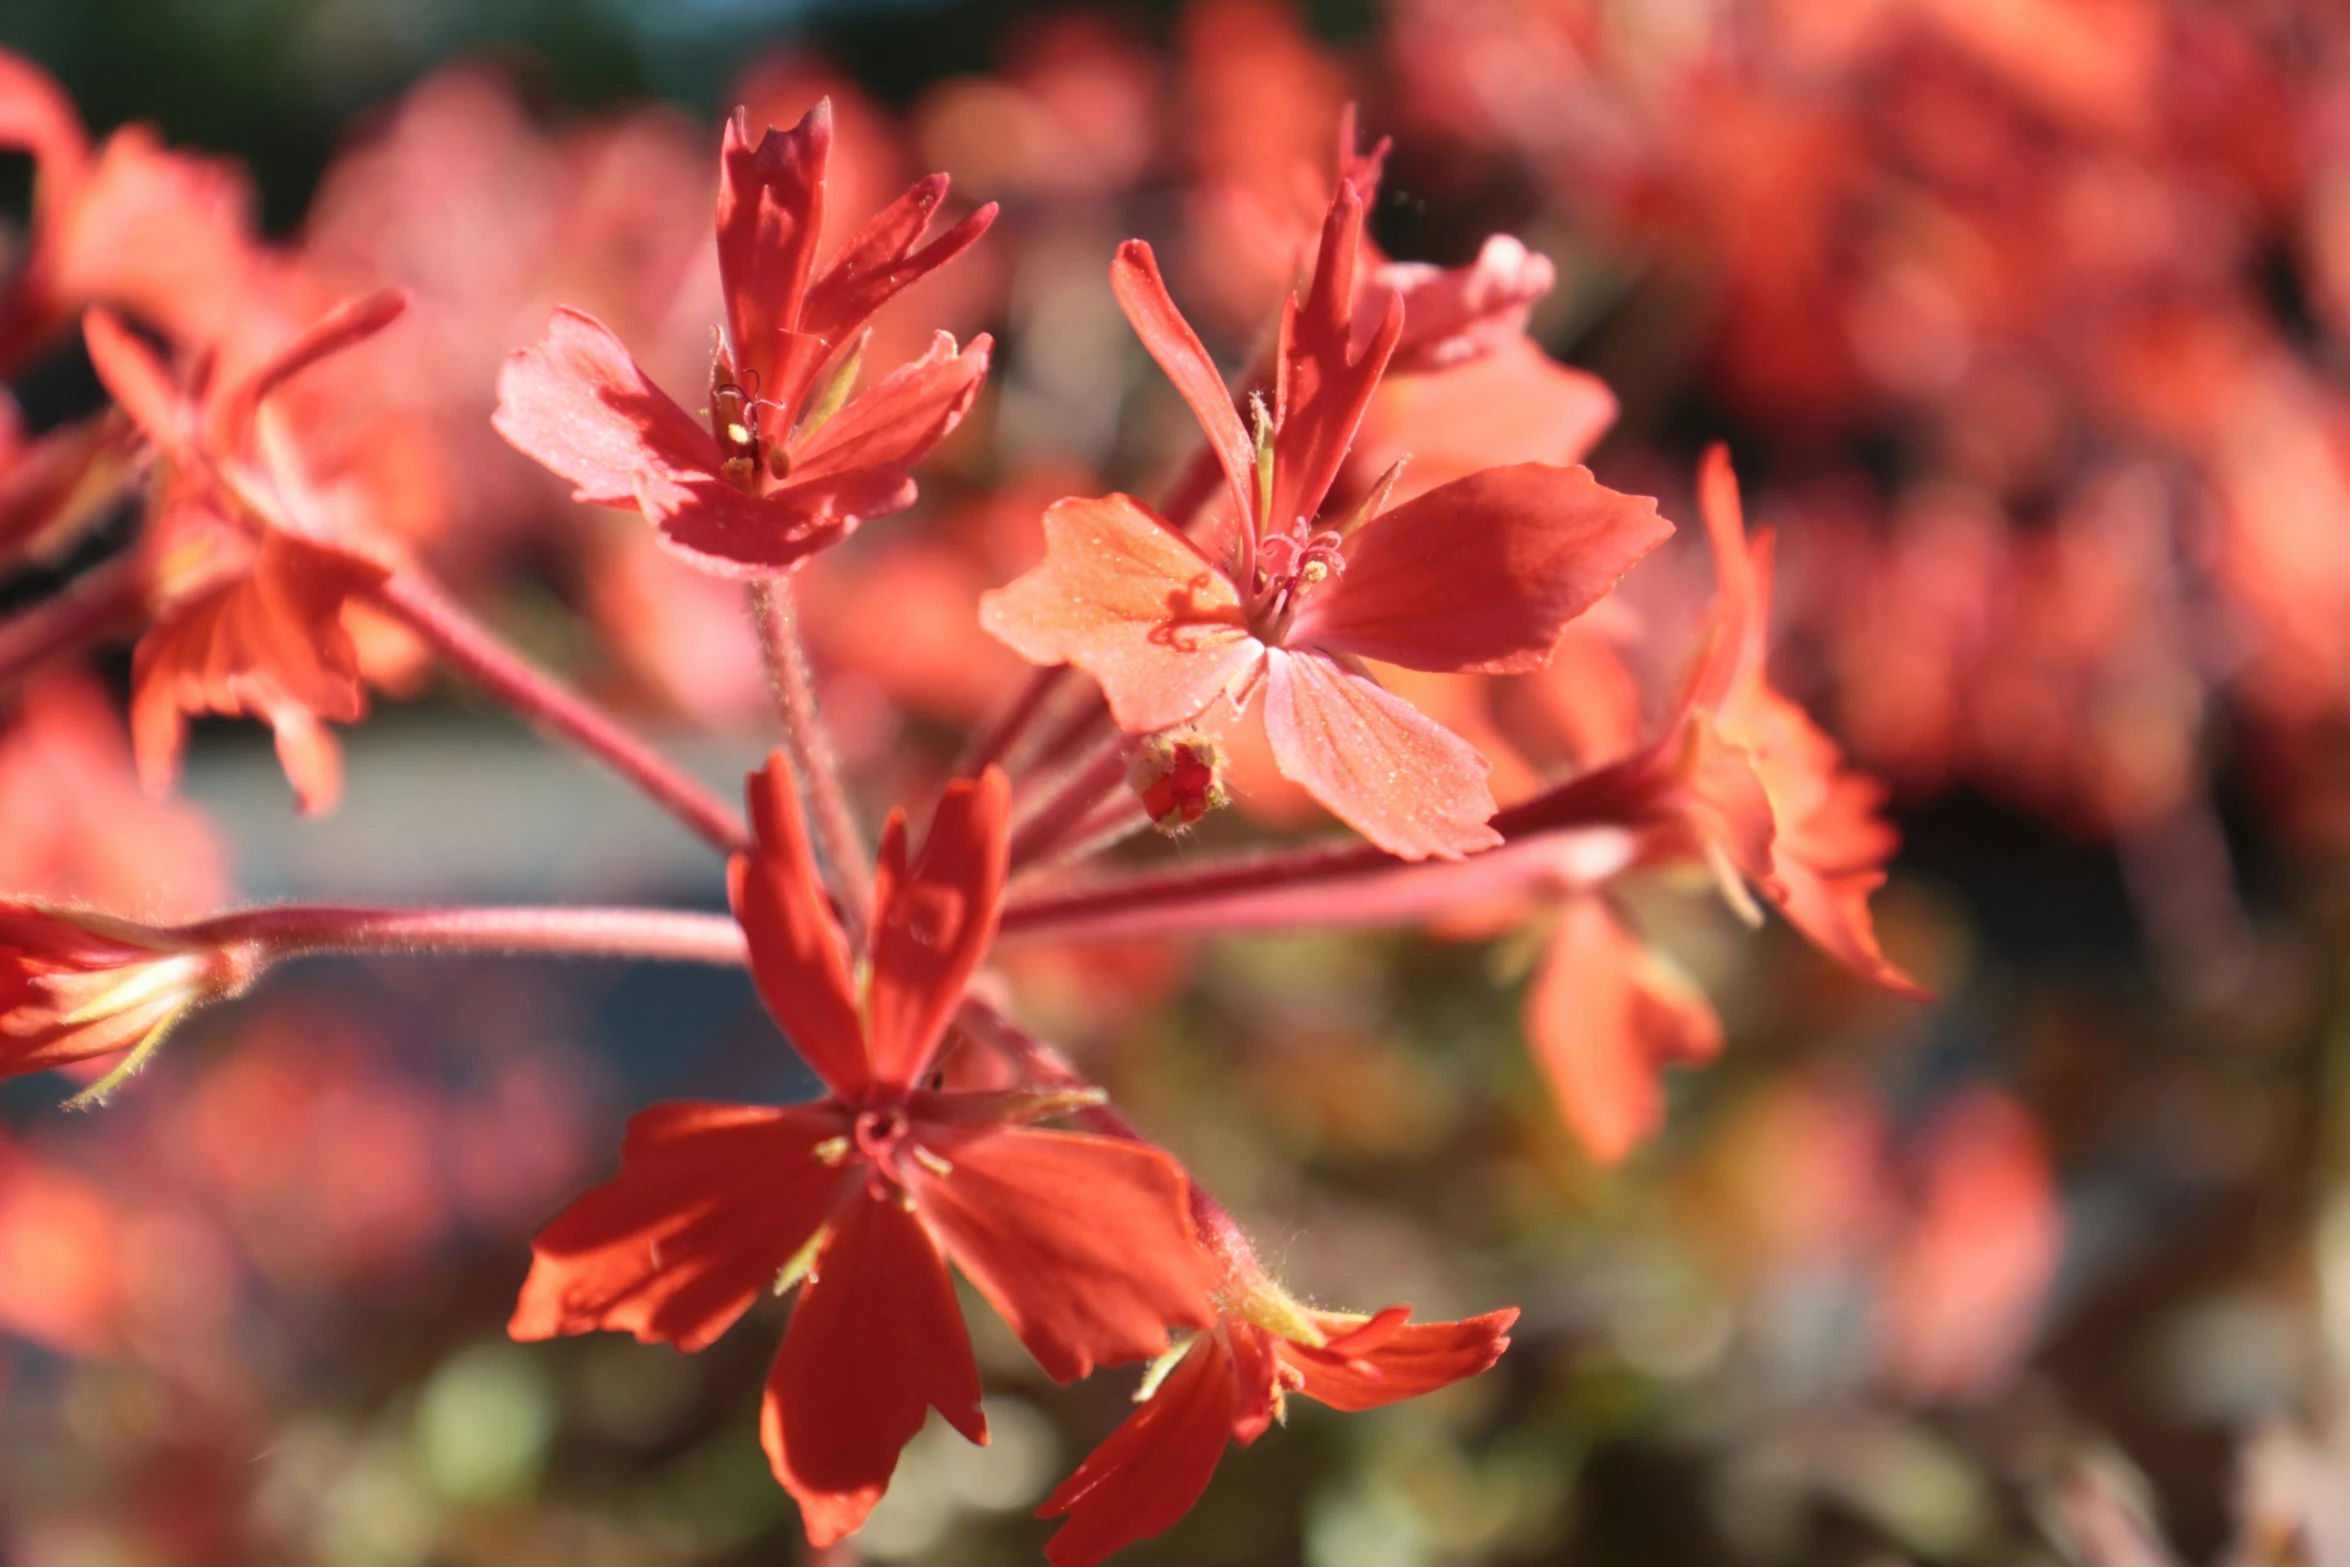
875,1343
895,423
1400,779
1083,1243
1142,294
269,643
880,259
1325,386
1154,1468
797,958
932,923
1603,1021
1483,573
1417,1358
577,403
711,1201
727,533
770,217
1132,602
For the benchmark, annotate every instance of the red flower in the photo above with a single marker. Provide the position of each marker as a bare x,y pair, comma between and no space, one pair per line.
1478,574
788,463
1230,1383
1769,797
1083,1243
248,615
75,987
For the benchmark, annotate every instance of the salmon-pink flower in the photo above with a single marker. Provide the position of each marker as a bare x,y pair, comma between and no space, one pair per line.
76,986
1231,1382
1084,1243
788,462
1479,574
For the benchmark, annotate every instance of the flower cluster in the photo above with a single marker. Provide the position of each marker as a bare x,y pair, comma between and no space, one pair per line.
1385,521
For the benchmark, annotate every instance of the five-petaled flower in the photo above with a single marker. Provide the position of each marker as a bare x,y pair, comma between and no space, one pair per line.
1478,574
788,462
1231,1382
1084,1243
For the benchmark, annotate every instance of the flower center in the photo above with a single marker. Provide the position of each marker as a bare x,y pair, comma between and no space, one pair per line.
734,423
1290,565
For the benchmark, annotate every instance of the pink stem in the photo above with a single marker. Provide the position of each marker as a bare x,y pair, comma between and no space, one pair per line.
1064,812
775,613
1005,733
1546,839
466,646
298,929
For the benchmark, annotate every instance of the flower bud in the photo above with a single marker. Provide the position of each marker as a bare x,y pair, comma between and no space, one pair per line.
1179,779
77,986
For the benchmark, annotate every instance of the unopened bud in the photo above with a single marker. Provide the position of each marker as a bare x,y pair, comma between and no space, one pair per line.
1179,779
74,987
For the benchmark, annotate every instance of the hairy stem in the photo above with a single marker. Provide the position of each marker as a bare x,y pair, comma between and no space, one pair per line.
295,930
469,648
775,612
1575,833
995,745
1054,820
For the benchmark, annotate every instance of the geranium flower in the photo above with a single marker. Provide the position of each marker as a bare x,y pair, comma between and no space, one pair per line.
1769,799
1231,1382
1743,781
1083,1243
1479,574
74,987
788,463
248,613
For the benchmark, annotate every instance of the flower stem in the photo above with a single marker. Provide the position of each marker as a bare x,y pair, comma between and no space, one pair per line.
1005,733
1568,835
462,642
775,613
1066,809
297,930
